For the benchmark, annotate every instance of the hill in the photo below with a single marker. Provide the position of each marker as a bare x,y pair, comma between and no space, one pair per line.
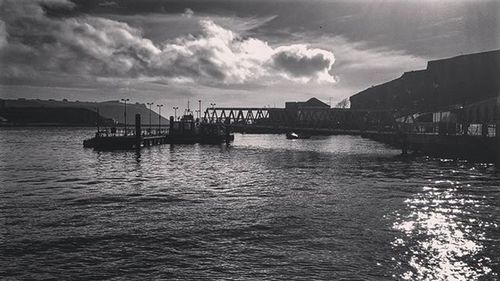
52,112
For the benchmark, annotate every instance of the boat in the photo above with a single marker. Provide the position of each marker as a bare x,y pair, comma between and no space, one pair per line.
293,136
183,131
188,131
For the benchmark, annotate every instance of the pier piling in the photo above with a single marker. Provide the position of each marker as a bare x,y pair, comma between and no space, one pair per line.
138,133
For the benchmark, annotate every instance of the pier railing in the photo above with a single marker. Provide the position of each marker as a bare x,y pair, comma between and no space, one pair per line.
130,131
447,128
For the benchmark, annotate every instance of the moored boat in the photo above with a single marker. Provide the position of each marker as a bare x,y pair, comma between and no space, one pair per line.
188,131
293,136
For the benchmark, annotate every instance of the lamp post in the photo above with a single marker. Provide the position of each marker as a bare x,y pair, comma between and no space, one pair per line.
175,112
159,116
212,104
199,107
125,113
150,104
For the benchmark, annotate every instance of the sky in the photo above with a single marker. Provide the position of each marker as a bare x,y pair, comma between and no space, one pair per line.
232,52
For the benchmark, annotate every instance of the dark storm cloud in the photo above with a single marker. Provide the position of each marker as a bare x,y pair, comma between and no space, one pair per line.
100,47
86,45
418,27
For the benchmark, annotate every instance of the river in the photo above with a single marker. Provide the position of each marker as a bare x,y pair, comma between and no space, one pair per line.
263,208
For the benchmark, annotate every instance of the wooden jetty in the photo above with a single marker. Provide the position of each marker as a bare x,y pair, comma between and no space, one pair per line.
185,131
111,139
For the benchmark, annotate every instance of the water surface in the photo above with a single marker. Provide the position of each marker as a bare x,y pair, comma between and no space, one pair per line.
264,208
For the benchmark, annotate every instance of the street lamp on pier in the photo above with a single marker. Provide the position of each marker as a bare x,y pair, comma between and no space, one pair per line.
150,104
125,113
159,117
175,112
212,104
199,107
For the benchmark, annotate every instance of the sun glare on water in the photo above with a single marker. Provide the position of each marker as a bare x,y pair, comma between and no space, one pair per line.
437,243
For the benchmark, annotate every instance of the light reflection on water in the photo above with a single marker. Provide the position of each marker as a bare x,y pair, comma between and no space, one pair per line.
440,238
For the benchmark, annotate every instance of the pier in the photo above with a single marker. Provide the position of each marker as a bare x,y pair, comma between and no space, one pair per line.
457,132
187,130
113,138
454,131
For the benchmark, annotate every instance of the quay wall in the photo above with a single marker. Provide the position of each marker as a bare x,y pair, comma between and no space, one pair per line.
474,148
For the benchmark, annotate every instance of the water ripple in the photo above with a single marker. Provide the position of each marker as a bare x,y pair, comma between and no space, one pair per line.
264,208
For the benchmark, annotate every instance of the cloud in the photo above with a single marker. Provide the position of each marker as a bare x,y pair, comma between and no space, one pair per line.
57,3
3,34
108,4
217,55
188,13
100,47
361,62
303,62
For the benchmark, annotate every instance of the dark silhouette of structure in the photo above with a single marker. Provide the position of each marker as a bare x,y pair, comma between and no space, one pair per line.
185,131
461,80
313,116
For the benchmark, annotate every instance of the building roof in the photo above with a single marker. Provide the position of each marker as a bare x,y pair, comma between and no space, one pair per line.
313,102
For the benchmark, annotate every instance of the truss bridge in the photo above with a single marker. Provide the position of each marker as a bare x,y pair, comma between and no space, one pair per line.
313,120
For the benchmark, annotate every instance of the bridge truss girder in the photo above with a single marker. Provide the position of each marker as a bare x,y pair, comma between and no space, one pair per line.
242,116
332,118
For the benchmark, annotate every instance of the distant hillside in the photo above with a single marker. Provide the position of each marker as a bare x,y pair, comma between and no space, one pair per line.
51,116
52,111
